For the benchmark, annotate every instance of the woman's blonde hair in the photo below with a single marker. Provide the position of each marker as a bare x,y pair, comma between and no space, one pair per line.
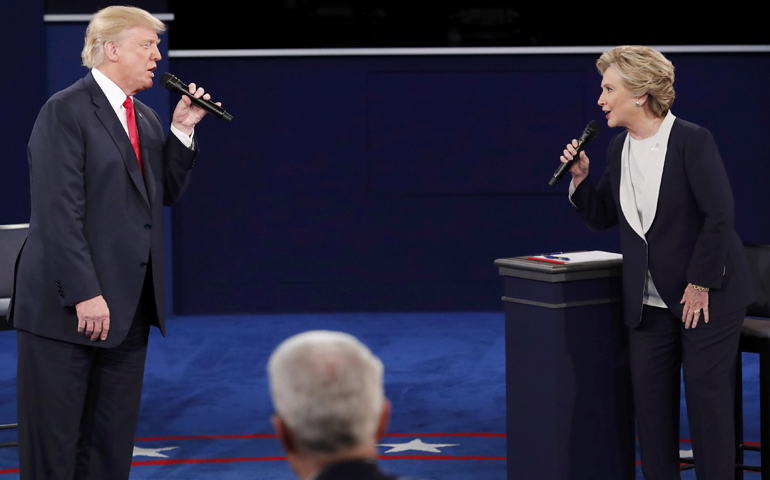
109,25
644,70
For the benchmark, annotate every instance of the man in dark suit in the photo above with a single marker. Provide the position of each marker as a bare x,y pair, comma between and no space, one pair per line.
89,279
330,409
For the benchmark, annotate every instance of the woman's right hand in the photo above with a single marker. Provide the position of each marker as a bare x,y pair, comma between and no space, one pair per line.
579,169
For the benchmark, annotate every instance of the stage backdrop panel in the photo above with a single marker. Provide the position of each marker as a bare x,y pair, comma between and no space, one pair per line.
22,84
393,183
449,133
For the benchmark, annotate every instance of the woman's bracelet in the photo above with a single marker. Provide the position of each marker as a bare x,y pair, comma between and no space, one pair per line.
699,289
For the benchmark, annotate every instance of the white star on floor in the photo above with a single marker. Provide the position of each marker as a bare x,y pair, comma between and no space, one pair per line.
151,452
418,445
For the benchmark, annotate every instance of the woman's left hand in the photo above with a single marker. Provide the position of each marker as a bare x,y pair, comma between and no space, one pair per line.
694,302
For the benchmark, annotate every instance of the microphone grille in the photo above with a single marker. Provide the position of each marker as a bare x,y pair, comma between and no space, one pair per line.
167,79
592,125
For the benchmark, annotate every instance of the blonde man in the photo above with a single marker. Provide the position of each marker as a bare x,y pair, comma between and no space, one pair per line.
89,280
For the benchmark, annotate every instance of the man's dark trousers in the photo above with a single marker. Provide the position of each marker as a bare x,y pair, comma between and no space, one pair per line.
60,436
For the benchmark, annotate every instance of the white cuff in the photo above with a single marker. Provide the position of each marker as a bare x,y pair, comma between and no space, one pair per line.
572,189
187,140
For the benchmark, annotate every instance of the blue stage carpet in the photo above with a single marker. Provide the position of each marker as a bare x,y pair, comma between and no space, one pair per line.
205,406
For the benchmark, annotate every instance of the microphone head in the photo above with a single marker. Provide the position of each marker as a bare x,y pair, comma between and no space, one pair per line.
591,130
169,81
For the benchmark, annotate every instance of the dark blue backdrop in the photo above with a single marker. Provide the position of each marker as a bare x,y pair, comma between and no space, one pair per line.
23,91
392,183
386,183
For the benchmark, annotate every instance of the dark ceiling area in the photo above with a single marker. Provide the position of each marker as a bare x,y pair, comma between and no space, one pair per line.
450,23
431,23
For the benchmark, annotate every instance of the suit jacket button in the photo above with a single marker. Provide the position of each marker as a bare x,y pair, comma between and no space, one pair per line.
147,226
143,264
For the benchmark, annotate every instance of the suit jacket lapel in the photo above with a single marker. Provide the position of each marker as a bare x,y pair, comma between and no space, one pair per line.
107,116
627,198
655,173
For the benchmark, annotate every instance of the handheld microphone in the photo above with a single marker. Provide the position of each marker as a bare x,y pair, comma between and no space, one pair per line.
591,130
175,85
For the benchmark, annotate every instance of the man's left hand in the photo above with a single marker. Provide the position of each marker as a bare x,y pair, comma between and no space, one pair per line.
187,115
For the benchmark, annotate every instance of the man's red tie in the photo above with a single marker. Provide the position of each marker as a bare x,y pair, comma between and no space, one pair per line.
133,135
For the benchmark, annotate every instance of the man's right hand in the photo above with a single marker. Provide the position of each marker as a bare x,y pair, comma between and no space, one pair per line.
93,318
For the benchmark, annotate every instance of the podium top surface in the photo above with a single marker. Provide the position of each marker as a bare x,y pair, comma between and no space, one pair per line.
522,267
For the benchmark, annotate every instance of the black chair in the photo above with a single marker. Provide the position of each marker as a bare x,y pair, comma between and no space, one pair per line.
11,239
755,338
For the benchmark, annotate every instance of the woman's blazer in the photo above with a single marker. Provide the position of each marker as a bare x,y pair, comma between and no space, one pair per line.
691,239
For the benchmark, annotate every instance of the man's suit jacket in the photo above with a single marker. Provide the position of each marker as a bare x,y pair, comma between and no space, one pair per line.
691,239
355,470
96,224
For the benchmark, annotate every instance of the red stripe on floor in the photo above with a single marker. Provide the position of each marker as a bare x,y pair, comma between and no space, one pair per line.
272,435
437,457
687,440
189,461
210,437
488,435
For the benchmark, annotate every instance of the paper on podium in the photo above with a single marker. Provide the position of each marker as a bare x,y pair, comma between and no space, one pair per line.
570,258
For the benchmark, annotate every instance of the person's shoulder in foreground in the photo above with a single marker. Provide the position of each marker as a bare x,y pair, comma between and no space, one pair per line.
356,470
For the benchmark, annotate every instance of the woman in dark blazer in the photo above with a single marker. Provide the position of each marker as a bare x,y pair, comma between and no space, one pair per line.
685,278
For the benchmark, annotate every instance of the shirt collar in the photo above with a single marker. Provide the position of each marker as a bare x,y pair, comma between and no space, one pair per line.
111,90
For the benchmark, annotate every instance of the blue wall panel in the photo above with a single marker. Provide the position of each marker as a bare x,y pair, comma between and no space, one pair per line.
22,93
461,133
392,183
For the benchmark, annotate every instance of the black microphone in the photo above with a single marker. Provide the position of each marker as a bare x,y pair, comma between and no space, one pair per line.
175,85
591,130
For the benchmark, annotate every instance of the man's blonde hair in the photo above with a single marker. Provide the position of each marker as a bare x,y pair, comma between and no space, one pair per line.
644,70
109,25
